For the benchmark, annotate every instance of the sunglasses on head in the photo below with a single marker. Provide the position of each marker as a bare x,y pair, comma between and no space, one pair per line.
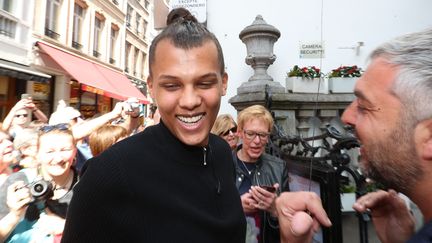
233,130
49,128
23,115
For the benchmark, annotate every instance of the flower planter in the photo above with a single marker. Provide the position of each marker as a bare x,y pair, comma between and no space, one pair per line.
341,85
306,85
347,201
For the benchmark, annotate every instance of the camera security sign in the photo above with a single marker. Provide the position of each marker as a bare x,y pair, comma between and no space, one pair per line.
312,49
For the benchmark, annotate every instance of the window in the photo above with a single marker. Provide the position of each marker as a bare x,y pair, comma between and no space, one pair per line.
52,18
127,56
77,26
97,36
6,5
144,28
146,4
113,39
137,23
143,60
128,16
7,27
136,69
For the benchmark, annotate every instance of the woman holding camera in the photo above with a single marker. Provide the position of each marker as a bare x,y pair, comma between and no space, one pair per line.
33,202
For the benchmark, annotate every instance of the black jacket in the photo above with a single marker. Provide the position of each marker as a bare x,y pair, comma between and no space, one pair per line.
153,188
269,170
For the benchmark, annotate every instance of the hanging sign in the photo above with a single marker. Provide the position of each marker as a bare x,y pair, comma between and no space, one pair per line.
198,8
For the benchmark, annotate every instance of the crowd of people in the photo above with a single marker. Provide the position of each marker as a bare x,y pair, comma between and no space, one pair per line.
194,176
51,154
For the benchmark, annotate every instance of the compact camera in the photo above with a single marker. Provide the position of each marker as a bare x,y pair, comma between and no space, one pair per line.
133,105
41,190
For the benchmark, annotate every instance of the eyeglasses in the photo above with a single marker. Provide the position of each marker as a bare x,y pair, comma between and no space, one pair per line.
233,130
250,135
23,115
49,128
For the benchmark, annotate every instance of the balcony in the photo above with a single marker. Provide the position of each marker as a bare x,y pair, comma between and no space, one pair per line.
52,34
76,45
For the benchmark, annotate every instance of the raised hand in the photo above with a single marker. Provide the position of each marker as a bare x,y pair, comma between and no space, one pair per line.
392,220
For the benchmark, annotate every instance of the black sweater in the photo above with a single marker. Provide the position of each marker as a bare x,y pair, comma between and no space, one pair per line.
153,188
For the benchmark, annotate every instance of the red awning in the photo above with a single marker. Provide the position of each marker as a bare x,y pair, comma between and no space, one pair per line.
94,77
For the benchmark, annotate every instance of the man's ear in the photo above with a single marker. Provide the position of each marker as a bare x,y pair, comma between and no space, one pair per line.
150,86
224,83
423,139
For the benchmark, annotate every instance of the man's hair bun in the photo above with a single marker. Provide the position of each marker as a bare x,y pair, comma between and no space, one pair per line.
178,15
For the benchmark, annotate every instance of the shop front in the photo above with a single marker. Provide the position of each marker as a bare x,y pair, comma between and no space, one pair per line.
88,86
17,79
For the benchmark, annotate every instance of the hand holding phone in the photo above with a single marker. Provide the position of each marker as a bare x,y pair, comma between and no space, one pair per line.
25,96
269,188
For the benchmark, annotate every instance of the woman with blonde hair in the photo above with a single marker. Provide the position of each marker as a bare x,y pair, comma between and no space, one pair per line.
34,201
260,177
226,128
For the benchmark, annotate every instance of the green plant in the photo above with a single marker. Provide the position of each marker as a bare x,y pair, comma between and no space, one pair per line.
346,72
305,72
348,188
372,186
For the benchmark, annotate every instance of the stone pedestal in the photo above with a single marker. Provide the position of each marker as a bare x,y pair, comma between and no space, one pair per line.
259,38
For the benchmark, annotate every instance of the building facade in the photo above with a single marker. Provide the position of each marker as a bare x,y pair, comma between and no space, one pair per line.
137,41
16,17
81,44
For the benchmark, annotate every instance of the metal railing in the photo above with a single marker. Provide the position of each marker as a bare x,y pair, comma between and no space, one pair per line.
52,34
76,45
328,159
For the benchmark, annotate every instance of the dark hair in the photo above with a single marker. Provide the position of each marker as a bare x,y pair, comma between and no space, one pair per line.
184,31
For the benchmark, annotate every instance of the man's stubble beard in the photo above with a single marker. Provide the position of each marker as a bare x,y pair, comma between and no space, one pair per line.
393,161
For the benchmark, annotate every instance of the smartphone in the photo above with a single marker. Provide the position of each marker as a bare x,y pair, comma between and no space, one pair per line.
269,188
25,96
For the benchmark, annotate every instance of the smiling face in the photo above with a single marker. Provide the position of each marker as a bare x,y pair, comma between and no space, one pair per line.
384,130
231,136
187,86
6,150
56,157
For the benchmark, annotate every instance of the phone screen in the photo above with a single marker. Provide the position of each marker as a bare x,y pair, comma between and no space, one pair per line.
269,188
25,96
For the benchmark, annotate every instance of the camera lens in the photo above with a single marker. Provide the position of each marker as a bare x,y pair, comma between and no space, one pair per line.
41,190
38,188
